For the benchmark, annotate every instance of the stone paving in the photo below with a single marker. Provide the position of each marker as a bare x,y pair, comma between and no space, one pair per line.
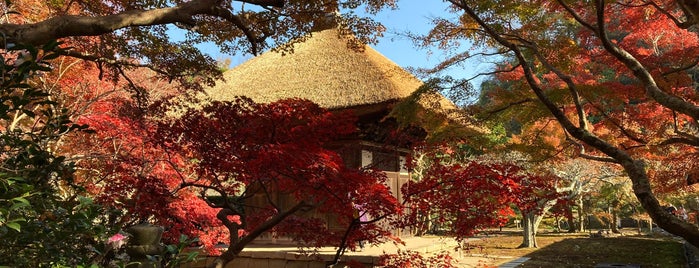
280,256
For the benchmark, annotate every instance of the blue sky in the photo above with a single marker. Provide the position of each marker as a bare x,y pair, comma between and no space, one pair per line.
415,17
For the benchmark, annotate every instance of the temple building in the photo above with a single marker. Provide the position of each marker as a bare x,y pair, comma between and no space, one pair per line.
327,70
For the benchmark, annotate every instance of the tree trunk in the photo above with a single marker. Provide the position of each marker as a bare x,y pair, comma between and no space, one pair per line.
531,221
571,220
639,224
558,224
238,244
423,225
615,221
581,215
665,220
530,225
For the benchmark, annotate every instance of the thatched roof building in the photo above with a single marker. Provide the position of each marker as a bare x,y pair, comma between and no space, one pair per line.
324,69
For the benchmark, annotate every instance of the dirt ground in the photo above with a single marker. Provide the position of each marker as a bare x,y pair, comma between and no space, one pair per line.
578,250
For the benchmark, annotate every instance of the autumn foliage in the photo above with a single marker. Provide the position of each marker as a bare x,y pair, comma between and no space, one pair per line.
270,163
465,197
619,79
614,103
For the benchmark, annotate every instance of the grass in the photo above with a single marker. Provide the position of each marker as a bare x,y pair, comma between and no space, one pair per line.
580,250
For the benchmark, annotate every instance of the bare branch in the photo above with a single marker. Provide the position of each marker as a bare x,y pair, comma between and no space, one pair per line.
457,59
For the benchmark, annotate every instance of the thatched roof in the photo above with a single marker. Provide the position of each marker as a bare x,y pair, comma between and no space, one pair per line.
323,69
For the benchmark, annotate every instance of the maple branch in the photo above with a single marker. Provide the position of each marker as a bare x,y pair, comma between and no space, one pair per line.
546,158
493,72
79,111
685,138
235,249
579,133
634,168
572,87
343,243
356,222
510,105
459,58
70,25
114,62
690,9
140,94
681,140
598,158
325,186
576,16
238,22
640,72
66,26
268,196
681,69
276,220
617,124
232,226
203,186
683,25
264,3
583,154
224,195
434,187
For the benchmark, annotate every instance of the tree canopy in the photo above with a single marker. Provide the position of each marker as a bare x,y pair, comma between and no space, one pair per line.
118,35
618,77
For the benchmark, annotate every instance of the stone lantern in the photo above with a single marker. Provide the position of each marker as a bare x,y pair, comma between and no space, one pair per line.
144,246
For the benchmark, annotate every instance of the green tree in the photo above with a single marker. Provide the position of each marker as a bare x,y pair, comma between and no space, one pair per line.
44,220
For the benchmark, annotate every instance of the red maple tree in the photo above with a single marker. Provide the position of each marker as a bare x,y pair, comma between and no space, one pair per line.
118,162
268,168
470,195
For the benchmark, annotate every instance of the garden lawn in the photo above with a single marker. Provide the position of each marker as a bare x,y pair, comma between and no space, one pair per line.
579,250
